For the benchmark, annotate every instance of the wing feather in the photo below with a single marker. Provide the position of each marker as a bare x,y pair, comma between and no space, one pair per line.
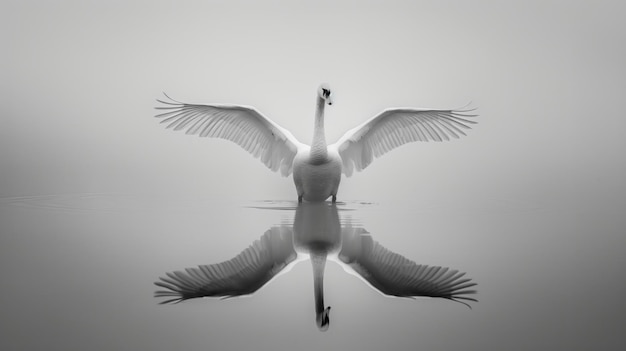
273,145
242,275
395,127
393,274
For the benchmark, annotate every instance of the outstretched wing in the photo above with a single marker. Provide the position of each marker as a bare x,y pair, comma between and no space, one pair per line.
242,275
395,275
395,127
257,134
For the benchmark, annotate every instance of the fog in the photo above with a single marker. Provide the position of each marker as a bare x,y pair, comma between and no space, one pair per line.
97,199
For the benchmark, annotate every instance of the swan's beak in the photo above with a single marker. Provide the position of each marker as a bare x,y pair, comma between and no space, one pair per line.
323,319
329,100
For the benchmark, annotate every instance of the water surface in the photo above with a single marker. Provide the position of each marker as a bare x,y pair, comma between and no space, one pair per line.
78,271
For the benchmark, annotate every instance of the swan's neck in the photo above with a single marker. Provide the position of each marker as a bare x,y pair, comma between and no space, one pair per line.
319,151
321,315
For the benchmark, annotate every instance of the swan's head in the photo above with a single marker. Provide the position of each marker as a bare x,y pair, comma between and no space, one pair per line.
323,319
324,92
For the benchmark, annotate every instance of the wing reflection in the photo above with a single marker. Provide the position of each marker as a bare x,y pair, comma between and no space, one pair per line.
242,275
393,274
316,234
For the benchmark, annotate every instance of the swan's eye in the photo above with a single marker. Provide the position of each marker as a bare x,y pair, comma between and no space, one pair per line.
325,92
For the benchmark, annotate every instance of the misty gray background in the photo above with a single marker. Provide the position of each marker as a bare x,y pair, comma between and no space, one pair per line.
531,204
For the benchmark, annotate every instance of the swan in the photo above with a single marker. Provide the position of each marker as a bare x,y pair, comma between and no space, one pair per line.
316,168
316,235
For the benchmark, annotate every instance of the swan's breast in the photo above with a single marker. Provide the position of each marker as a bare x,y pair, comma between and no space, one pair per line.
317,181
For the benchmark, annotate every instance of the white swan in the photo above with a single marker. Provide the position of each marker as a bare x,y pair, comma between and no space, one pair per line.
317,168
317,234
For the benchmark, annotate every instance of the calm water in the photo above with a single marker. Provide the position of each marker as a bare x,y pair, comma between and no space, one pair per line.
78,274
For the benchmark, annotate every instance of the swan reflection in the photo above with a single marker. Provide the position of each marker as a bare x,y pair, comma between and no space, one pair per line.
316,234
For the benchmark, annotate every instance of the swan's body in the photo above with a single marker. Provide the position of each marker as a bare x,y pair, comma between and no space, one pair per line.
316,180
316,168
317,234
